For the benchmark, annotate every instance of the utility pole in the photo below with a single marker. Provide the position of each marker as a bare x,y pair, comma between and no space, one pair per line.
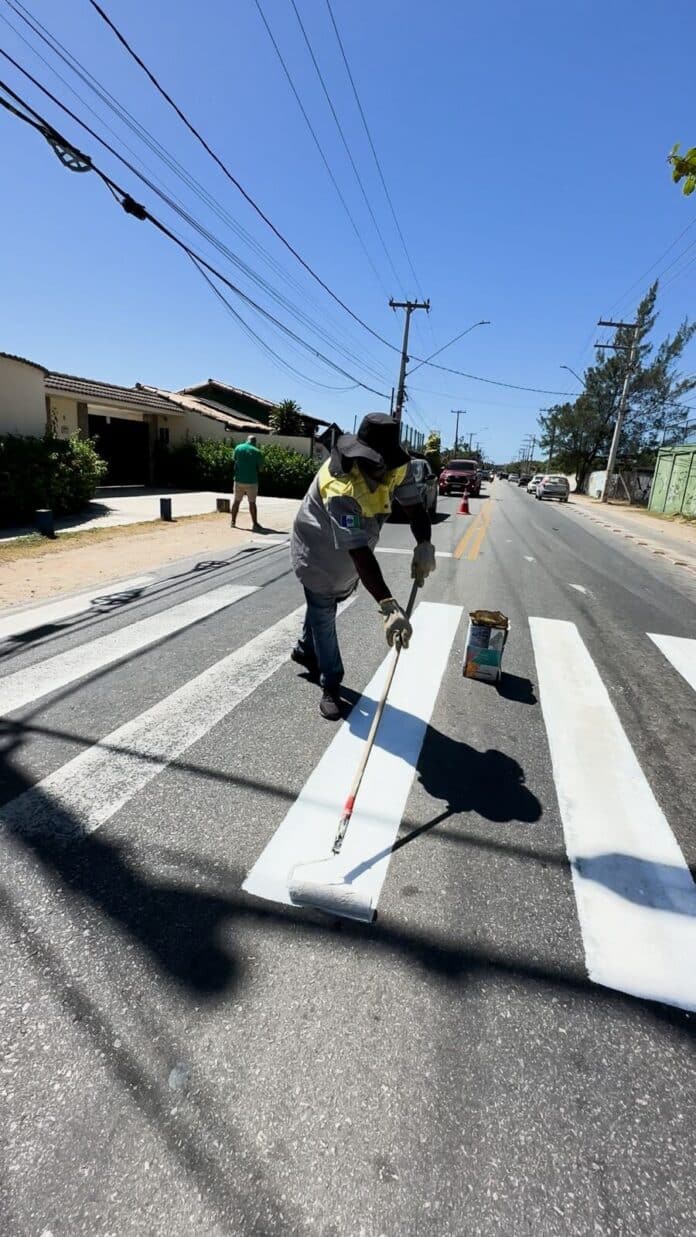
409,307
613,450
457,412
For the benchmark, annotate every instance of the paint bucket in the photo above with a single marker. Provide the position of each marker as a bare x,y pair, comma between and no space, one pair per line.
485,643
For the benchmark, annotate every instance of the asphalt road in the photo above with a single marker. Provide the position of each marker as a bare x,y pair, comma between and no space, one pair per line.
180,1057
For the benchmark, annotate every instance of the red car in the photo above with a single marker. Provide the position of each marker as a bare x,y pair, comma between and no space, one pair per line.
460,477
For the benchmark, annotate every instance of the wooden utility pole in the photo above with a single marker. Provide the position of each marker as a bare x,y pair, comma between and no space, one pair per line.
613,450
409,307
457,412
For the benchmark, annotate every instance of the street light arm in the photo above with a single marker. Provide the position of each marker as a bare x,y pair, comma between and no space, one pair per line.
426,360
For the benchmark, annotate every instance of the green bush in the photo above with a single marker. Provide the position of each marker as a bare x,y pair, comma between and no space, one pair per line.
46,472
205,465
286,474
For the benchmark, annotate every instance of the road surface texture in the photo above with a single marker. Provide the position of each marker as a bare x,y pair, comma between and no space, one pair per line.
507,1050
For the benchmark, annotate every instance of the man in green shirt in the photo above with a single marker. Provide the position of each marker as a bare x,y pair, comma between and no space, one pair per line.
247,462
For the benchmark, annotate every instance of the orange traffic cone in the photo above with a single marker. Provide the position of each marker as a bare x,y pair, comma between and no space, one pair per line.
463,508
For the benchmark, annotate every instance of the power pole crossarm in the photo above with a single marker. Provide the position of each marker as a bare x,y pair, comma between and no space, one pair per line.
409,307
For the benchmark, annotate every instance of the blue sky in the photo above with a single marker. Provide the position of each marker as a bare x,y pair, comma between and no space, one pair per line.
524,147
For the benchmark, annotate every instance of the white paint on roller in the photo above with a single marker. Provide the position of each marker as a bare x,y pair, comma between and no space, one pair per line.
529,558
100,600
579,588
24,686
307,832
681,652
86,792
635,896
387,549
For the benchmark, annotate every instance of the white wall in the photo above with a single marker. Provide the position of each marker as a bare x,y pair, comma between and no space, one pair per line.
63,415
22,399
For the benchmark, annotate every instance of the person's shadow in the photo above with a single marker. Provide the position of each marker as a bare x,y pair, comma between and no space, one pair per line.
462,779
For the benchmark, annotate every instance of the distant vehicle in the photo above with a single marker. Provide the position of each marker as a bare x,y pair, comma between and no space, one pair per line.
485,474
426,482
554,485
524,478
502,476
531,488
459,477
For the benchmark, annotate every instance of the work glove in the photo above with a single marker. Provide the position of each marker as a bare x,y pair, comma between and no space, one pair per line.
423,562
397,628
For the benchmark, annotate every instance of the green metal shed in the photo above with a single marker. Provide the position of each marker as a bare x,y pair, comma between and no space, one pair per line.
674,484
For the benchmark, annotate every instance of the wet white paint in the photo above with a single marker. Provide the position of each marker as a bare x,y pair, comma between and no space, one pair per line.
635,896
35,681
529,558
681,652
307,831
579,588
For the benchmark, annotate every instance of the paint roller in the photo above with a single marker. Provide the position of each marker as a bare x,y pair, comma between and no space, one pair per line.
319,884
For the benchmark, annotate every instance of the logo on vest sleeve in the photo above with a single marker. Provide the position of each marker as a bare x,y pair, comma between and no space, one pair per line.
350,521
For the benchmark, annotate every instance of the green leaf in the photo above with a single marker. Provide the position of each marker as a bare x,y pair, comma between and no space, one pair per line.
689,185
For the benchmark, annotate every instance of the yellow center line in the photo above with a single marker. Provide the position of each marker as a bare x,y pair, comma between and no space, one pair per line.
473,527
478,540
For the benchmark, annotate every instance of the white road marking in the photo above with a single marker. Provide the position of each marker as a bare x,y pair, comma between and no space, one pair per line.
386,549
86,792
681,652
24,686
15,623
308,829
529,558
579,588
635,896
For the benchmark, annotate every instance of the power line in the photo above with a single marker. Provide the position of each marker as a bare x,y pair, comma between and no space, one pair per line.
248,198
372,148
63,148
59,50
193,223
252,334
233,179
657,262
318,145
345,143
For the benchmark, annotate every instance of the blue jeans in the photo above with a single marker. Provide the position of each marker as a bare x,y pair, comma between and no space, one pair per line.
319,637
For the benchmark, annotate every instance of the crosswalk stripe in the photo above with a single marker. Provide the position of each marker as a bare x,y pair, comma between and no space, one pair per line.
308,829
681,652
37,680
635,896
16,623
88,790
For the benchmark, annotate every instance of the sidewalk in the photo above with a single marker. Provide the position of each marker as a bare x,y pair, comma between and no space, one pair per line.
112,510
102,551
676,541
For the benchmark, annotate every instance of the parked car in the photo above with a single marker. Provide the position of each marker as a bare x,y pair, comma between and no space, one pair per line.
531,488
426,481
459,477
524,478
554,485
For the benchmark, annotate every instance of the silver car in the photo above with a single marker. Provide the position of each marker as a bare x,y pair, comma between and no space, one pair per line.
553,485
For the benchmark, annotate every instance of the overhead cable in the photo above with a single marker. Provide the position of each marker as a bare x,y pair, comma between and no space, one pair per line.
132,207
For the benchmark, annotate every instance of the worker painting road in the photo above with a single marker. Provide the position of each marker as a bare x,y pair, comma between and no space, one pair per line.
508,1049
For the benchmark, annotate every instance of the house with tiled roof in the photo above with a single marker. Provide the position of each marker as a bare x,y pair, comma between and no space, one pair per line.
128,422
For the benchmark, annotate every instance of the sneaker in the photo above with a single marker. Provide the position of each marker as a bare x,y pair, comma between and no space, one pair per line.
307,660
330,705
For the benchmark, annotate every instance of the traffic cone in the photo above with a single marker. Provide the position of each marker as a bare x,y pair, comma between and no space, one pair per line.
463,508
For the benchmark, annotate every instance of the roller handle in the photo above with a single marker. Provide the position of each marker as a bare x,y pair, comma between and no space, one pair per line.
370,741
